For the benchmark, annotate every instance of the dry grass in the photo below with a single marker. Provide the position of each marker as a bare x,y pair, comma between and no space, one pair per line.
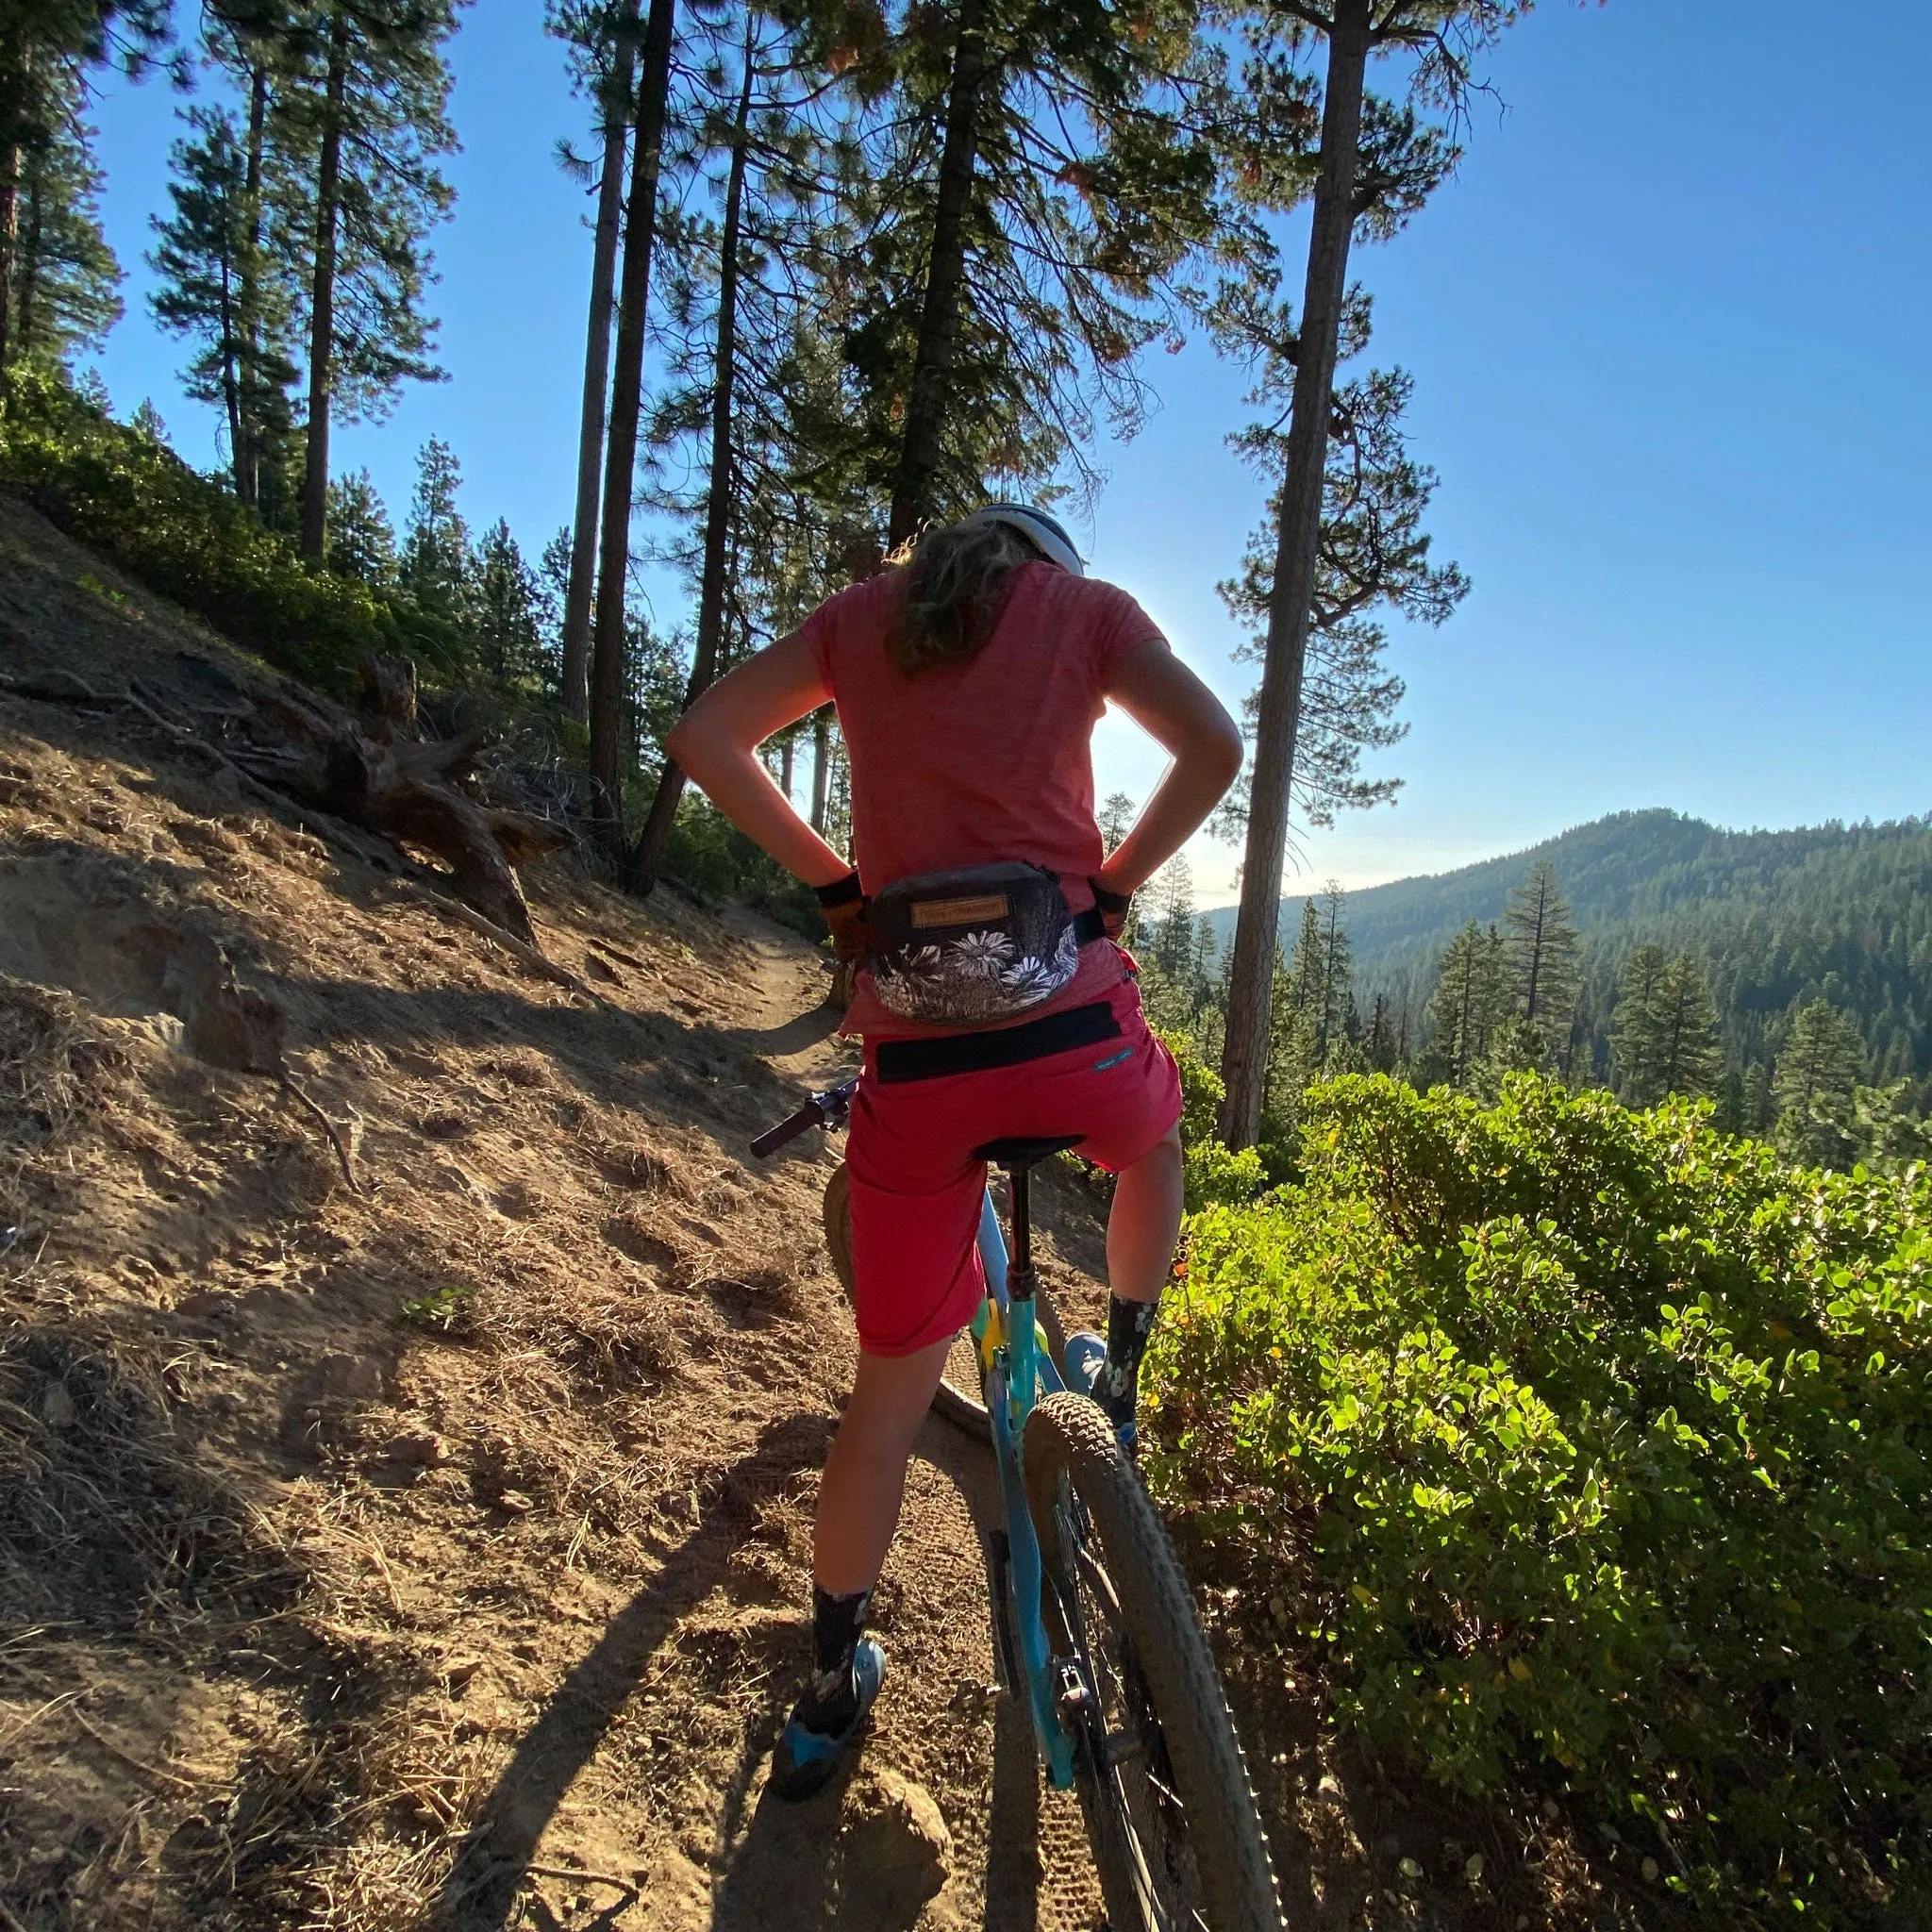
100,1498
348,1826
100,1502
57,1067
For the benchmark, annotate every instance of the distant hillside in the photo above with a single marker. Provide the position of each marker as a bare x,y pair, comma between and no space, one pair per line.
1844,910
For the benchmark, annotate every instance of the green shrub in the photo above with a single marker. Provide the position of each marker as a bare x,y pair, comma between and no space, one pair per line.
1217,1177
131,498
1591,1448
1214,1174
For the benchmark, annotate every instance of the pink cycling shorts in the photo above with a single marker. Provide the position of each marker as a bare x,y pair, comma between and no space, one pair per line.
915,1187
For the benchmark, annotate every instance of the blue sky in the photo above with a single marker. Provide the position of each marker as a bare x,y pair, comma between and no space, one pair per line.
1667,328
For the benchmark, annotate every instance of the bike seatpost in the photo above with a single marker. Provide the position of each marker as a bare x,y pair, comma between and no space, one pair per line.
1020,1279
1019,1156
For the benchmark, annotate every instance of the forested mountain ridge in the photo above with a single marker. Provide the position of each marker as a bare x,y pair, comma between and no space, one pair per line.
1838,911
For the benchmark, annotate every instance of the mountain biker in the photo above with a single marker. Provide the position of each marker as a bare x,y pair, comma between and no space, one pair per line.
968,681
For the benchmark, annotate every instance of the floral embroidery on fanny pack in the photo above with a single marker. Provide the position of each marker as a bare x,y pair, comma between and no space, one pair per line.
961,948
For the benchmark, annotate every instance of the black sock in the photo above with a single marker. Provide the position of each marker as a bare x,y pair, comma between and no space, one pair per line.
1129,1325
837,1622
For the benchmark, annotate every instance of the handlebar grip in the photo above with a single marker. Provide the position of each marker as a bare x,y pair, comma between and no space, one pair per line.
788,1129
822,1111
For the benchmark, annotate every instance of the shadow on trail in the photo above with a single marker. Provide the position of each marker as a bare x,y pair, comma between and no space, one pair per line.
484,1885
783,1865
781,1041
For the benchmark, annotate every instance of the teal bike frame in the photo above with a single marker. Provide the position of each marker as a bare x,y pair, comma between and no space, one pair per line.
1017,1372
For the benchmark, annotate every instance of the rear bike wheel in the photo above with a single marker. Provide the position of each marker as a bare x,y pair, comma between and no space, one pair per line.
958,1396
1169,1810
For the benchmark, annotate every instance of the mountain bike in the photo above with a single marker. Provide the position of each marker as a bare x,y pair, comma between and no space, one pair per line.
1093,1621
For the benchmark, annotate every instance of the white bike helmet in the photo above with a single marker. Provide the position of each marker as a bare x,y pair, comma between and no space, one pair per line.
1039,529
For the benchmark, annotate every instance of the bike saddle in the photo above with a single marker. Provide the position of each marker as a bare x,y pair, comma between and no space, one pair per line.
1021,1151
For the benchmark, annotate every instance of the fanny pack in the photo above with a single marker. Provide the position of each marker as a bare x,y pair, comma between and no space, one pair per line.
984,942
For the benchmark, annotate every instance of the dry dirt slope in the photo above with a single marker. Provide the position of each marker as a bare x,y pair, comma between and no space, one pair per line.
432,1553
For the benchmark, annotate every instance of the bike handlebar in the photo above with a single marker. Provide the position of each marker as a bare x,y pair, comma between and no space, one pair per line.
827,1110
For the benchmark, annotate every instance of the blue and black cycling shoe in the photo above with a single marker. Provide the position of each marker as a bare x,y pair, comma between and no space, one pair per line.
1085,1365
819,1733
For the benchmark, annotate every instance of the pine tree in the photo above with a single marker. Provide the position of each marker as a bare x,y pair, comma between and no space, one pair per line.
1332,999
553,603
361,123
716,563
1375,168
611,616
1689,1060
1379,1047
1170,918
1542,950
1634,1044
66,280
1293,1062
57,276
1203,967
1373,555
1039,183
361,540
217,288
259,45
1470,1001
1116,819
656,666
606,41
438,567
1816,1082
505,601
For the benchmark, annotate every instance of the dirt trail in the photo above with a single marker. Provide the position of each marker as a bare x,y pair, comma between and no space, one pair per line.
434,1553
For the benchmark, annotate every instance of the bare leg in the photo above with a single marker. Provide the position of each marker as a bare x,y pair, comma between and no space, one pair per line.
865,1473
1145,1222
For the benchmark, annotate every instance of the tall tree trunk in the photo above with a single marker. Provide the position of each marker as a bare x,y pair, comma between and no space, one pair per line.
703,661
821,766
621,453
945,278
247,441
28,259
1244,1053
583,542
231,368
16,59
10,239
322,323
788,755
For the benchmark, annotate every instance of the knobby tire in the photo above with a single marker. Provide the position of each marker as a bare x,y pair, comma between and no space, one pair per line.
1163,1867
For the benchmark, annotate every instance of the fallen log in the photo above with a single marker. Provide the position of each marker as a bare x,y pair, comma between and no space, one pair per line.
371,769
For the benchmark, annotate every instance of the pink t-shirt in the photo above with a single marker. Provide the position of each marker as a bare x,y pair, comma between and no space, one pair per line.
988,759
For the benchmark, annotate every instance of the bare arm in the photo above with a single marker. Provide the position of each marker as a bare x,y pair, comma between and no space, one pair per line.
716,741
1169,703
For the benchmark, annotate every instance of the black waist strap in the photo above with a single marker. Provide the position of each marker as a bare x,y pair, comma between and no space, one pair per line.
1089,926
1008,1046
